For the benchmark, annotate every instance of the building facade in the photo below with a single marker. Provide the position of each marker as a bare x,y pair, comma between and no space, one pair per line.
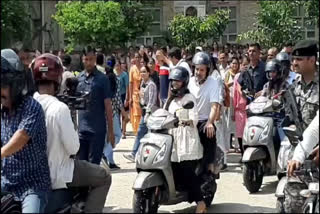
47,35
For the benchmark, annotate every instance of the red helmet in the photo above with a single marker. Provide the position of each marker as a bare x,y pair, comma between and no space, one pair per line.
47,67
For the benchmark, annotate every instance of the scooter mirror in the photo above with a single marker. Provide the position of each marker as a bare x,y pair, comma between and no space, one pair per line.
188,105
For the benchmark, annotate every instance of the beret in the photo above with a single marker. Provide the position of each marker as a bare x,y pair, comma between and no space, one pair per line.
305,48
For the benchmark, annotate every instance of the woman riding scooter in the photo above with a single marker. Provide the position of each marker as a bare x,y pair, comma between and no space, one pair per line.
277,76
187,149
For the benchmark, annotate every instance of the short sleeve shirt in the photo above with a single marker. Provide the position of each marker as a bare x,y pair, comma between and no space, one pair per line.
257,77
26,171
206,94
124,82
93,118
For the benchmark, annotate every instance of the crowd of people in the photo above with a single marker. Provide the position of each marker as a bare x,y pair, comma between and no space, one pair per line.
37,130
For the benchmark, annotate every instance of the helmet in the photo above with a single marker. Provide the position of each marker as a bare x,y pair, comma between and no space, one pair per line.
13,75
273,65
47,67
201,58
283,56
285,61
181,74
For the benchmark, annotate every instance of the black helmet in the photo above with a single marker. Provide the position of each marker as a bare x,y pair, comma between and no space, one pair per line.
13,75
273,65
285,61
181,74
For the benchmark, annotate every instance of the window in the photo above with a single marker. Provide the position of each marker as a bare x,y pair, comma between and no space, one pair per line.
231,31
191,11
154,29
308,30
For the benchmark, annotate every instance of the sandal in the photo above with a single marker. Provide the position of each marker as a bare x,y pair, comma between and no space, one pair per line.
201,207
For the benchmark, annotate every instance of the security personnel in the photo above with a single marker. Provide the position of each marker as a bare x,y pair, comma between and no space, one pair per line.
306,90
307,85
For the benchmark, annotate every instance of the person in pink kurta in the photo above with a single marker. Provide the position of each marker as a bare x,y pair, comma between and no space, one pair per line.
239,104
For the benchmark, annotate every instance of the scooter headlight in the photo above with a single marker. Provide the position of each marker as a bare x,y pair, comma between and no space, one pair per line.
264,133
160,154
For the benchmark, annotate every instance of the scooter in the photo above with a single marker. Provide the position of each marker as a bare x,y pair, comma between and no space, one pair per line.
311,171
154,184
286,153
260,154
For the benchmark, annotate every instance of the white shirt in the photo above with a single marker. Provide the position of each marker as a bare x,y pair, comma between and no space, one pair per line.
186,145
206,94
62,139
223,71
310,140
216,75
181,63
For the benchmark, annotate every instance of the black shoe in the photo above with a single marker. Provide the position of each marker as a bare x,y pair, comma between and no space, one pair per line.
113,166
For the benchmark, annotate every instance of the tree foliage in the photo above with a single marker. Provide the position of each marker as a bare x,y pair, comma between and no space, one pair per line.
190,31
312,10
275,24
100,23
15,23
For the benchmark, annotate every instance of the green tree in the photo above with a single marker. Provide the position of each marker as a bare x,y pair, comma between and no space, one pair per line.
190,31
100,23
15,22
275,25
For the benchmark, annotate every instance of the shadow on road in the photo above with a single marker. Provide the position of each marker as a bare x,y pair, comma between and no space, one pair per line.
267,188
230,208
123,171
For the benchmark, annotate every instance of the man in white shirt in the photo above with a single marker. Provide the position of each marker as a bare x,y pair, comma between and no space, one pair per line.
207,91
223,64
175,59
63,140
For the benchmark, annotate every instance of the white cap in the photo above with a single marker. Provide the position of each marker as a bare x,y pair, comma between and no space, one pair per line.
198,48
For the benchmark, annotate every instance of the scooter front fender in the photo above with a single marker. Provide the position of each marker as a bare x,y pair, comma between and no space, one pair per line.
147,180
253,154
280,187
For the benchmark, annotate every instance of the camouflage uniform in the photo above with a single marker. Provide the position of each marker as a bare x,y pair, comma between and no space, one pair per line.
307,96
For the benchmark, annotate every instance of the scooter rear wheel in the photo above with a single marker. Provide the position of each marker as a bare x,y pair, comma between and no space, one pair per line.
145,201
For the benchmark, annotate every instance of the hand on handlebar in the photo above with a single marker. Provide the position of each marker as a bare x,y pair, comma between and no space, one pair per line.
292,166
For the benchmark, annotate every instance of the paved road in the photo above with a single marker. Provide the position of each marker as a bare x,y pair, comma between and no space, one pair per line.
231,195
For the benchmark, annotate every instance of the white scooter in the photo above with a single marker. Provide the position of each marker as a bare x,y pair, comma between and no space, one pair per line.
154,184
259,156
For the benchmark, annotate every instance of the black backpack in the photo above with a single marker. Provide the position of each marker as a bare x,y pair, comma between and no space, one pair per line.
9,204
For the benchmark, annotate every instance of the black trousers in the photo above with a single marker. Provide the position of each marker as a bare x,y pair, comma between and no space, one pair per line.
184,175
209,144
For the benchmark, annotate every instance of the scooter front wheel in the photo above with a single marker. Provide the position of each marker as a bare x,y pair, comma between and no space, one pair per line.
252,176
145,201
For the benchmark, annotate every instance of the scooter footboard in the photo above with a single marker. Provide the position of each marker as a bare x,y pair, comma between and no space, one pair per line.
253,154
146,180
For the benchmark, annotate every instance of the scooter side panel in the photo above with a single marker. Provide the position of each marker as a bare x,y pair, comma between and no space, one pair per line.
146,180
280,187
253,154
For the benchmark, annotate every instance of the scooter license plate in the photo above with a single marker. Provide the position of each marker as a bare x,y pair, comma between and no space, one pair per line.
314,187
